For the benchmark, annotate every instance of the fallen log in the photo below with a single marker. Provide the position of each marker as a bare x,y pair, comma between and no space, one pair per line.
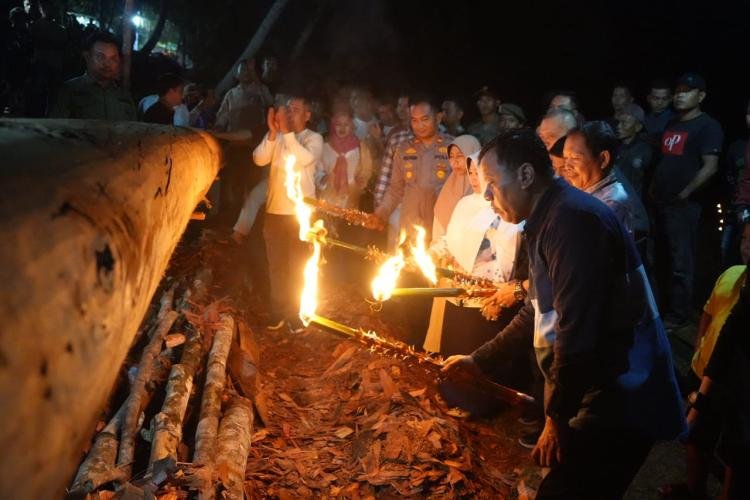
233,447
168,422
216,375
99,466
90,213
136,400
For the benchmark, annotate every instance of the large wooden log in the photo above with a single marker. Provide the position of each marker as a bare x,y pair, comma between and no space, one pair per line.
90,213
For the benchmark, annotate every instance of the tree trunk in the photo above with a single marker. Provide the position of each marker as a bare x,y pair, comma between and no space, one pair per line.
153,39
233,447
305,36
168,422
127,41
255,43
90,213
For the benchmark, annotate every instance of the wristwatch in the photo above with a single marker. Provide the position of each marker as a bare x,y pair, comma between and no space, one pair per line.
518,291
697,400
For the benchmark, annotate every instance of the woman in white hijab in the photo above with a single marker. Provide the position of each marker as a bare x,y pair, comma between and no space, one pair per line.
479,243
457,185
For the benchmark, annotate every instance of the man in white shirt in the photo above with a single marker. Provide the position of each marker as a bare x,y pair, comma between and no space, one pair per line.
287,135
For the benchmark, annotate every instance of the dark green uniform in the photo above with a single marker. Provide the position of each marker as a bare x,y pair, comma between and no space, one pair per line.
82,97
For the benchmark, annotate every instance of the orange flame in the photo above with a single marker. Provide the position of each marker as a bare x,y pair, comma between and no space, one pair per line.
309,300
385,281
293,183
422,258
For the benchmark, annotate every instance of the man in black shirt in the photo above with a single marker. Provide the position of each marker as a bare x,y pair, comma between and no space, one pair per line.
690,148
169,87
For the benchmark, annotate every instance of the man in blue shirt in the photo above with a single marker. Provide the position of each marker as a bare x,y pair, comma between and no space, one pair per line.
610,390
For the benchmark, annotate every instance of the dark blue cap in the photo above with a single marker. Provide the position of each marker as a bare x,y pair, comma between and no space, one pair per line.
692,81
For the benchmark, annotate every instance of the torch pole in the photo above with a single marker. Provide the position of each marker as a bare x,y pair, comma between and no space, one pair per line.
500,391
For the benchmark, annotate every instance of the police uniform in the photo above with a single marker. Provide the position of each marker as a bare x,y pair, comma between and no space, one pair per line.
419,172
83,97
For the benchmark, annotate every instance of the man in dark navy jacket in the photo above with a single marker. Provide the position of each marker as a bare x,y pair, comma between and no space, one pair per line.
610,390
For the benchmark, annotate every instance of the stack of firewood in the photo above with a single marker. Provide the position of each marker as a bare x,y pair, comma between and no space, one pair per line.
198,438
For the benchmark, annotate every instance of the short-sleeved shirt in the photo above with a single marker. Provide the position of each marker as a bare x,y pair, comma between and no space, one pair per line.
723,297
419,171
683,145
159,113
83,97
485,132
656,123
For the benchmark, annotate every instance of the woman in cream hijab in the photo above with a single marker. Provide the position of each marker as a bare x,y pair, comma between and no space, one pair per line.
457,185
476,242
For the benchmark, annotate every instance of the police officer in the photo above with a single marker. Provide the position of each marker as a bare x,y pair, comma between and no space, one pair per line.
96,94
420,167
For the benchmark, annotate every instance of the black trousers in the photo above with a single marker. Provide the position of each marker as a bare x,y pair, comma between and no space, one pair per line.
287,256
678,224
596,465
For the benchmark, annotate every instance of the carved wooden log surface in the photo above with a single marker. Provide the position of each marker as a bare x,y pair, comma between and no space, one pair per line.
90,213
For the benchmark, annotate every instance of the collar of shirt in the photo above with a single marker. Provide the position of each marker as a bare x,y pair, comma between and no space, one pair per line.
608,179
540,211
90,80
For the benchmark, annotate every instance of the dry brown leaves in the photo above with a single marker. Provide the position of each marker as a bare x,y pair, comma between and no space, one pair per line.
348,423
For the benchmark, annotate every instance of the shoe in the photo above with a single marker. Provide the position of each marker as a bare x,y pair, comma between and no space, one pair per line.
529,420
275,323
529,439
295,325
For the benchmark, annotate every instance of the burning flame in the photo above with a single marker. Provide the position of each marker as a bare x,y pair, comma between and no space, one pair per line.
293,184
309,300
422,258
385,281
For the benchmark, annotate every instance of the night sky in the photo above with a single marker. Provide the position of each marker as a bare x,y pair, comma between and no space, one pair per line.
527,48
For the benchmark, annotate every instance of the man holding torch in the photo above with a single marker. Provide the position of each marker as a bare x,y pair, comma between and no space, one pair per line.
610,390
287,135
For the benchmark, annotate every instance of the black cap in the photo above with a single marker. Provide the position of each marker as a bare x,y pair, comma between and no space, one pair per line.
485,91
692,81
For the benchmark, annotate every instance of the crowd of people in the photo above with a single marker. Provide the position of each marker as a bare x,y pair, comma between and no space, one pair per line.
587,229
